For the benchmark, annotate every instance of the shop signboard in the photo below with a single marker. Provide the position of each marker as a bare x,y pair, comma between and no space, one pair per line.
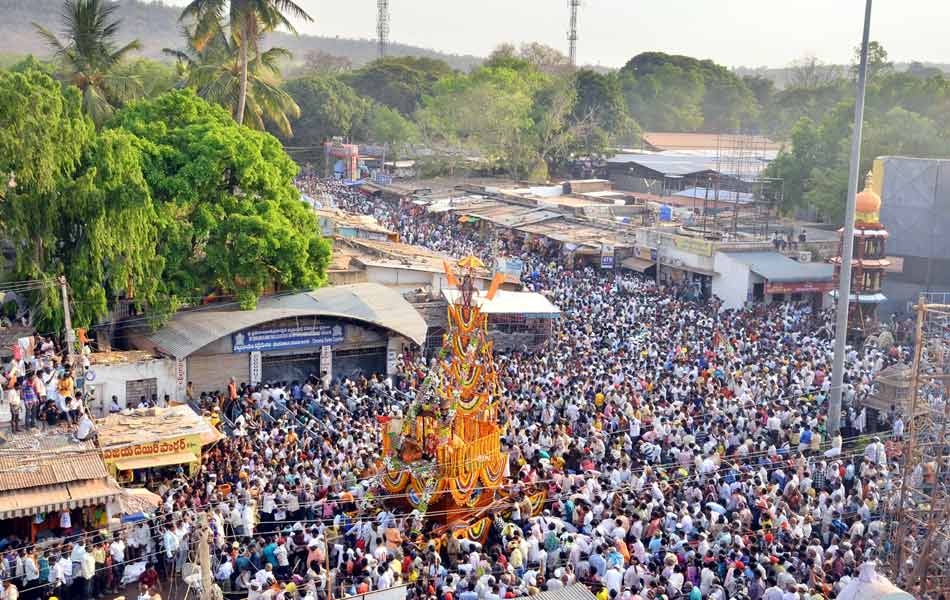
326,360
799,287
188,443
606,257
692,245
181,377
284,338
511,267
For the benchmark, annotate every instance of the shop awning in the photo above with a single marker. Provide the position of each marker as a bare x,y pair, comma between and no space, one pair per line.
636,264
210,437
691,269
32,501
160,460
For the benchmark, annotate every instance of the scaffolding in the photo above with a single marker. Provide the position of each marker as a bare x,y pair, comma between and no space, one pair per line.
919,510
740,161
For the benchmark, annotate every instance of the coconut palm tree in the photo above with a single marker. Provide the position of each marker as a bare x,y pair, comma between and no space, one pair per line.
247,20
89,55
214,69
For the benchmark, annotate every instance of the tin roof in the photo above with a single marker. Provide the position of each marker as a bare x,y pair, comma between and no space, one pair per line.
779,268
49,458
372,303
577,591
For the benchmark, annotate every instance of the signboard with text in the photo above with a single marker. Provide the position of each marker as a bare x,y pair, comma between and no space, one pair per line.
257,367
799,287
283,338
181,377
693,245
606,257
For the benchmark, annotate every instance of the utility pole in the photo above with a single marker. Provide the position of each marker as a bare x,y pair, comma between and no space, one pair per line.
382,26
572,32
68,322
844,287
204,557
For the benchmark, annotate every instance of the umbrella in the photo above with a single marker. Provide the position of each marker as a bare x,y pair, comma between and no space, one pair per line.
719,508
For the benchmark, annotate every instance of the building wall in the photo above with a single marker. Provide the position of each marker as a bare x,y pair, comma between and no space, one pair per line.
732,282
113,380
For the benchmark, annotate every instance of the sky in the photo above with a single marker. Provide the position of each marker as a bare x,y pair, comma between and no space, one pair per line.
750,33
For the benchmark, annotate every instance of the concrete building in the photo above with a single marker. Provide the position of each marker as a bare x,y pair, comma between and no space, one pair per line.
768,276
343,330
129,376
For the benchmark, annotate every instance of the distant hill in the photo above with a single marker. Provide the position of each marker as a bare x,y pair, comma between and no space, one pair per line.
782,75
156,26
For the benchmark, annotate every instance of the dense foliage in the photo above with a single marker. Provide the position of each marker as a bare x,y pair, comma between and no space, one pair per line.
169,201
906,113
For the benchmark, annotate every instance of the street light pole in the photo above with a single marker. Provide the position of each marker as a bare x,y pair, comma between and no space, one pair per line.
847,245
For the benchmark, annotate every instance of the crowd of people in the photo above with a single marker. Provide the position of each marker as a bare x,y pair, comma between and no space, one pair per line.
682,448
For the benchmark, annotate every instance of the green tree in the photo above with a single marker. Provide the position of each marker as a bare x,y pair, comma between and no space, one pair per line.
669,98
328,107
231,218
878,63
728,104
247,21
89,57
794,164
384,125
600,106
487,113
399,82
215,70
155,77
80,207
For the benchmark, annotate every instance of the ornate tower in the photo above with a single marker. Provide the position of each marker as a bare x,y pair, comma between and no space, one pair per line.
869,260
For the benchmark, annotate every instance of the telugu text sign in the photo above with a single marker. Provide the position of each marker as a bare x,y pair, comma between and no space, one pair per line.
283,338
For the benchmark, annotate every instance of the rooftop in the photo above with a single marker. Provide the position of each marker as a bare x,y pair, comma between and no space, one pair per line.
141,426
664,140
508,303
371,303
121,358
37,459
778,268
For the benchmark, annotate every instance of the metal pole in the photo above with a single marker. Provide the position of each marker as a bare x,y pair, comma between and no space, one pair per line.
68,323
844,287
911,447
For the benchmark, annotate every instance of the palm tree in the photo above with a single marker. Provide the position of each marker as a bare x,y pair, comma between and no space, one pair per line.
89,55
214,70
247,19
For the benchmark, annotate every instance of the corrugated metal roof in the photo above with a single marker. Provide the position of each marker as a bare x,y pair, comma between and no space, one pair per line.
368,302
577,591
779,268
670,140
36,460
678,164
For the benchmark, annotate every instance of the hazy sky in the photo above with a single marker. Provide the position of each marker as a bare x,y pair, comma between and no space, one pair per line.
731,32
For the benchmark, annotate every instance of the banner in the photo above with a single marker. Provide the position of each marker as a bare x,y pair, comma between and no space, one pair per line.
282,338
693,245
257,368
799,287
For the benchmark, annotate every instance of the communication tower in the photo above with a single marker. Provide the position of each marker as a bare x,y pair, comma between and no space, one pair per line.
382,26
572,32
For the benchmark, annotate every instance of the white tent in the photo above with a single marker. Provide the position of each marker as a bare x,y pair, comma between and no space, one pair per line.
870,585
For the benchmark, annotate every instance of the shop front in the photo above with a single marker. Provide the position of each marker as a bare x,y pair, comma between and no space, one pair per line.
141,446
52,486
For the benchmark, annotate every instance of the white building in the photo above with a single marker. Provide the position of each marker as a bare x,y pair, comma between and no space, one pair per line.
768,276
129,376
